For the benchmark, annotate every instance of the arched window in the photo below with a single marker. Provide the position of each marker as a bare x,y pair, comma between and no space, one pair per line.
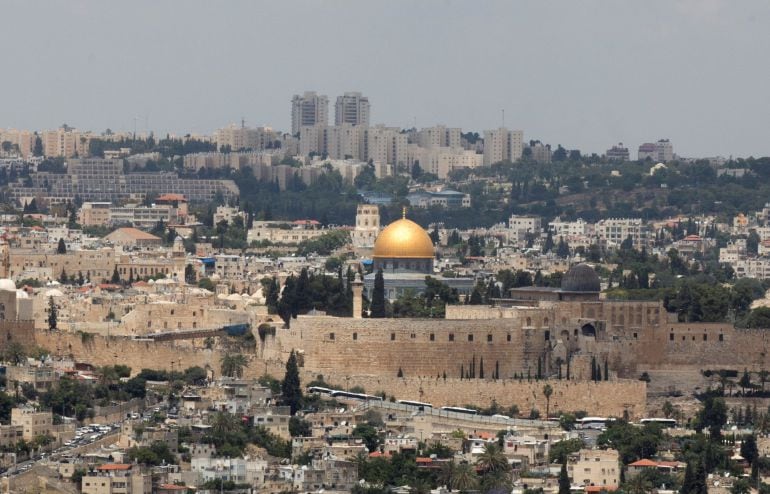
529,321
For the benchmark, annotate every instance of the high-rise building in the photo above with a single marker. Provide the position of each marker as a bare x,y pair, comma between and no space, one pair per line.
308,110
618,153
384,145
352,108
439,136
502,145
64,142
343,141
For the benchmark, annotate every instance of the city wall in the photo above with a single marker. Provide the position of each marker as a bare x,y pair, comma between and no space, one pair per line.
607,398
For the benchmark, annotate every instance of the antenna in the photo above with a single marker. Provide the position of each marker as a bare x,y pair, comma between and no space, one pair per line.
503,111
243,123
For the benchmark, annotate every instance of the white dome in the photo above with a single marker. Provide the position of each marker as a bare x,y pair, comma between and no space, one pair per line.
21,294
234,297
53,292
7,284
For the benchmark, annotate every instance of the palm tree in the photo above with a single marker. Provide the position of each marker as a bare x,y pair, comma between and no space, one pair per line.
547,392
222,423
464,477
499,482
492,459
639,485
232,365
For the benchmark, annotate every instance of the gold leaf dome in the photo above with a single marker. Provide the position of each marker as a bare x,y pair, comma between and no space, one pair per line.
403,239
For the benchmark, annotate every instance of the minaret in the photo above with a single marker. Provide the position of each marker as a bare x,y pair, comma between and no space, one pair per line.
358,297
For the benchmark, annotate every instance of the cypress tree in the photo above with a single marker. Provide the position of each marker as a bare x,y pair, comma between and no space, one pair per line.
61,248
568,369
290,387
606,371
53,314
497,369
115,276
400,373
481,368
378,295
564,483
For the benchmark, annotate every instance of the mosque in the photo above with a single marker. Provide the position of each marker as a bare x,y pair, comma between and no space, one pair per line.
404,252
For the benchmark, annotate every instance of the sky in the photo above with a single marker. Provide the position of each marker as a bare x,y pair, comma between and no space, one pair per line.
584,74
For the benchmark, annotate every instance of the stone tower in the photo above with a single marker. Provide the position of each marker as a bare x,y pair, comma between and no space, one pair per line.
367,226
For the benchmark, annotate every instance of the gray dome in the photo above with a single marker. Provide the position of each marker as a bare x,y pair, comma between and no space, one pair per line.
581,278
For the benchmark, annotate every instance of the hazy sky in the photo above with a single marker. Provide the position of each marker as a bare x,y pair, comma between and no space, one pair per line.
585,74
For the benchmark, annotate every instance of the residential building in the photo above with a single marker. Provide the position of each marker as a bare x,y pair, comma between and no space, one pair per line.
94,214
286,233
310,109
595,467
502,145
539,152
384,145
444,198
352,108
242,138
64,142
613,231
618,153
33,423
441,160
117,478
521,225
439,136
343,141
23,141
662,151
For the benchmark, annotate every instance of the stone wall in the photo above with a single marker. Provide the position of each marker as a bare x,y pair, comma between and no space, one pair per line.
604,398
138,354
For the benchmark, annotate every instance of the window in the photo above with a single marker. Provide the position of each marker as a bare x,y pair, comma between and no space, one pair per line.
413,336
671,337
489,338
392,336
721,337
355,336
635,336
470,337
508,337
547,335
432,337
529,321
451,337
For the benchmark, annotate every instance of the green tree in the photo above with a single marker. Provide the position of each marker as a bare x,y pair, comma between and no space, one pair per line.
564,483
377,306
464,477
291,389
299,427
492,459
61,248
232,365
53,314
115,276
369,435
712,416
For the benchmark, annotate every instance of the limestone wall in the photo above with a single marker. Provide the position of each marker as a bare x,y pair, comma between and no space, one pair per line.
424,347
605,398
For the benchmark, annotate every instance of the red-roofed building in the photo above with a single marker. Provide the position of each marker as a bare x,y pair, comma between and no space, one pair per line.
646,464
133,237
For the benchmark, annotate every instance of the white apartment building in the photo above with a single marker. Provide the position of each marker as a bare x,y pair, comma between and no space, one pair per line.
441,160
384,145
352,108
310,109
540,153
502,145
612,232
312,139
242,138
439,136
343,141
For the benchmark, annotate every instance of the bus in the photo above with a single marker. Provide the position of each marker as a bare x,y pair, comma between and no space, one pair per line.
355,396
419,405
468,411
670,423
594,422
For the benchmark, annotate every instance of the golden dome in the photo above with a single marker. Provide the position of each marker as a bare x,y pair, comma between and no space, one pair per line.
403,239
